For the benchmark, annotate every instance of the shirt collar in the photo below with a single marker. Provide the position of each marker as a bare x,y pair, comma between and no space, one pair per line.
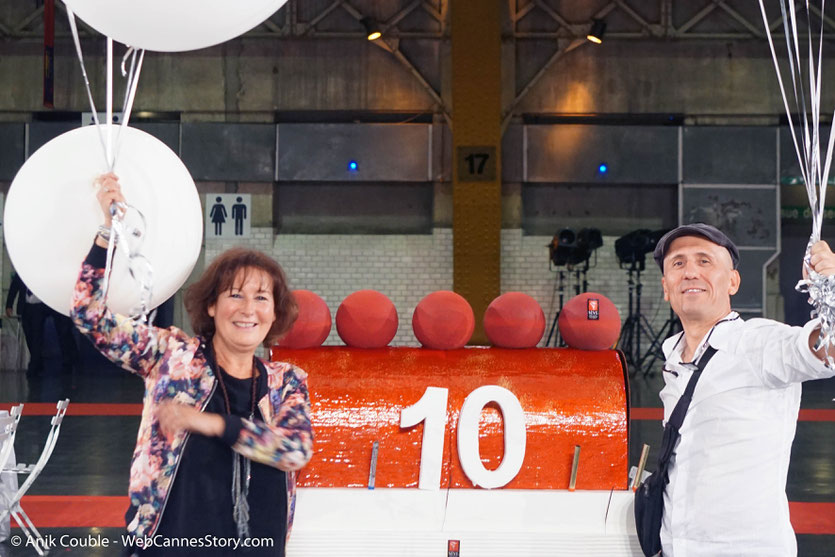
717,337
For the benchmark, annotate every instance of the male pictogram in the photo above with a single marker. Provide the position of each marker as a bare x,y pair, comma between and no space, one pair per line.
239,214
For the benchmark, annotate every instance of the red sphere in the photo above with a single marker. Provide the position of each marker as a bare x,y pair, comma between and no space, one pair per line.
514,320
590,321
443,320
313,323
366,319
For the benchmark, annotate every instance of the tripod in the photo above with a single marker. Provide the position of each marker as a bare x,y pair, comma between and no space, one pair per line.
561,289
670,327
584,282
636,324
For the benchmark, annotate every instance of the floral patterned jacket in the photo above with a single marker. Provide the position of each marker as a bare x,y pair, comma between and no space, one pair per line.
175,367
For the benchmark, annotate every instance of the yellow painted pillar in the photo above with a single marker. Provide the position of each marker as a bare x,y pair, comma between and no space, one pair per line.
476,140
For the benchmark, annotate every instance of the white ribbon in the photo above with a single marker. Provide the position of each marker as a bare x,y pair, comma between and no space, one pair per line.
814,167
128,239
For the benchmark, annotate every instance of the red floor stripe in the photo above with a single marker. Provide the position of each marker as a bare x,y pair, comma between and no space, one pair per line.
806,414
121,409
809,415
54,511
75,511
813,518
78,409
656,414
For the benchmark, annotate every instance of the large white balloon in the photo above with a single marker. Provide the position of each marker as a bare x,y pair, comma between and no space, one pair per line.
173,25
52,215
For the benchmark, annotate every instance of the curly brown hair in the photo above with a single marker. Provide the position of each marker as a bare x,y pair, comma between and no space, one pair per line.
219,277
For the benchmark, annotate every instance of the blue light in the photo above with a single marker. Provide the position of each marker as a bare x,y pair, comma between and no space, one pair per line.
353,166
603,168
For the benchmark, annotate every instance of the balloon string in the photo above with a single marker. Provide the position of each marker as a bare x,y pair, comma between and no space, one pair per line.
815,166
110,148
129,241
109,105
77,41
121,235
130,89
783,89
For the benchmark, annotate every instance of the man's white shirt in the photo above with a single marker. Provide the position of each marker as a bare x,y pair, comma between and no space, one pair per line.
727,490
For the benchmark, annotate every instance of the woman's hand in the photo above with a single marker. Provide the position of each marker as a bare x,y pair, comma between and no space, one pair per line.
109,192
175,417
822,260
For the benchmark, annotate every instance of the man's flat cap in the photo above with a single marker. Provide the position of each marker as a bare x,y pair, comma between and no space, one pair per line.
696,229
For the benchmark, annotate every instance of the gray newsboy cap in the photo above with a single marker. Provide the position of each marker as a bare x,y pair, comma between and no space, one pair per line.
696,229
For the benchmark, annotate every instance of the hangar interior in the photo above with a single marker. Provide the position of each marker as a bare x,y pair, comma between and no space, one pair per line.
351,152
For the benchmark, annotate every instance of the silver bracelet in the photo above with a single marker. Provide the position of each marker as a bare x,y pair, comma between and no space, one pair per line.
104,232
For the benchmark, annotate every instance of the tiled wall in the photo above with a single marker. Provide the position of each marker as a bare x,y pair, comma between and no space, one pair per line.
407,267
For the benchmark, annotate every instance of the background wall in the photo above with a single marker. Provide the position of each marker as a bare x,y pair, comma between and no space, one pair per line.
663,67
407,268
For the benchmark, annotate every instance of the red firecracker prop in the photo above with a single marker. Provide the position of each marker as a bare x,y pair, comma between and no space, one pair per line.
366,319
590,321
514,320
313,323
443,320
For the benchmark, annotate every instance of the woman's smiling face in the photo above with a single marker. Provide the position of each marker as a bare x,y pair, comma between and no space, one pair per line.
244,313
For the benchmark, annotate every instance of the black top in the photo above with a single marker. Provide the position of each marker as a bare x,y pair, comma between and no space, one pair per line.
200,502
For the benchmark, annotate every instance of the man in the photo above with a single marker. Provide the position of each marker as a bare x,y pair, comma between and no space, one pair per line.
727,490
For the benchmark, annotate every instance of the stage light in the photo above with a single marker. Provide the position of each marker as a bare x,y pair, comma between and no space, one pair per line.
372,30
562,246
632,248
588,240
598,28
353,166
570,248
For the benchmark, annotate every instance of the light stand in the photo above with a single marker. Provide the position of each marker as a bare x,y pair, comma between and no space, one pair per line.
636,324
561,290
670,327
572,250
631,250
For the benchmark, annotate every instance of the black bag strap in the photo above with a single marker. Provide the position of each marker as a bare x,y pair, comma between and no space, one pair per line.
671,430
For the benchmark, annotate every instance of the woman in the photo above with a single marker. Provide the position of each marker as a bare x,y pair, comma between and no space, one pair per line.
222,432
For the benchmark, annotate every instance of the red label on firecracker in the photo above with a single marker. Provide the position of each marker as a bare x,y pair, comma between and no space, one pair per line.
593,308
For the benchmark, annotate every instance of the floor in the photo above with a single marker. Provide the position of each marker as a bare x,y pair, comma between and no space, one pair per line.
93,453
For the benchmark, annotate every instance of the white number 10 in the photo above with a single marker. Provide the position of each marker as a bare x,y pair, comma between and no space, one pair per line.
431,410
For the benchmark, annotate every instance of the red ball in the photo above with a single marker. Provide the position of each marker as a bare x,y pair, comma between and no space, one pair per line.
313,323
366,319
514,320
590,321
443,320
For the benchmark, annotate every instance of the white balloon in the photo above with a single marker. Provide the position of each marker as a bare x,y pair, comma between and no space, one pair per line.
173,26
52,215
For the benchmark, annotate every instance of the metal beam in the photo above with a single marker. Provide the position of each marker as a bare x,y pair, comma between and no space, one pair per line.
393,48
559,53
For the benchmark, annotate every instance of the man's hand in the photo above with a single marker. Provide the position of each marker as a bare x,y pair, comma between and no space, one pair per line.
8,312
822,260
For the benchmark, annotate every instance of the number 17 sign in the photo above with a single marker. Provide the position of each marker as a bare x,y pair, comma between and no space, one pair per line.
476,164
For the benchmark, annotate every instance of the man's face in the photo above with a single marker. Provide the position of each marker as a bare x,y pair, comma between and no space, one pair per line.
699,279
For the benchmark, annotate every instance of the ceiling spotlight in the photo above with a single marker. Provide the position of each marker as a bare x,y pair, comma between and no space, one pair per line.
372,29
598,28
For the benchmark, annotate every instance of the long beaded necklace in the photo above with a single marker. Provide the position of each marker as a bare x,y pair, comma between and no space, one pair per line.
240,482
